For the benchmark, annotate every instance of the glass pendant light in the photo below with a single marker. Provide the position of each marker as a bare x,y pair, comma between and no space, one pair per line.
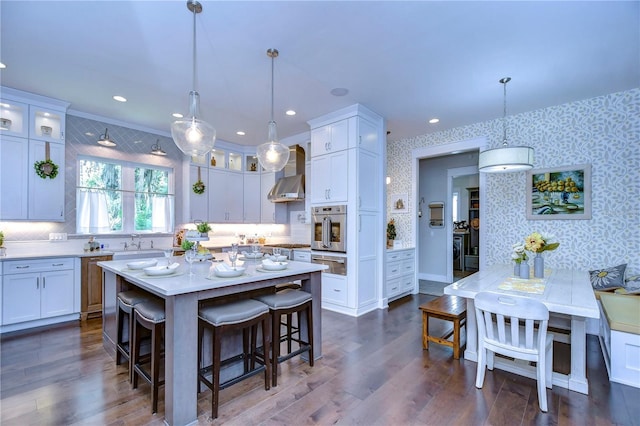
506,158
193,136
272,155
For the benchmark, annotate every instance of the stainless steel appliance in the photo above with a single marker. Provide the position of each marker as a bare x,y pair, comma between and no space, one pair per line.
337,264
329,228
458,252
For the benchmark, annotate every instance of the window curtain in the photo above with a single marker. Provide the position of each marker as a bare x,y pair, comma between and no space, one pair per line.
92,212
162,213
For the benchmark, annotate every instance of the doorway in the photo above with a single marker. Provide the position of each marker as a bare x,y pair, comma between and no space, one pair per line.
430,167
464,183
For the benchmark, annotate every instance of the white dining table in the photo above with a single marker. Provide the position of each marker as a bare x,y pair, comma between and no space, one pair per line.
567,293
182,293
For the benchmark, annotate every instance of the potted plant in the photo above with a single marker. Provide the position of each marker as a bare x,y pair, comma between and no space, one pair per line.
2,249
203,228
391,233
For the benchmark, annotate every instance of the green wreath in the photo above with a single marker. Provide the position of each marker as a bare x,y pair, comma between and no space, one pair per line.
198,187
46,169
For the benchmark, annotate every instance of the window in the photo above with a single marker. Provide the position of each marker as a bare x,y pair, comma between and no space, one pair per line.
454,205
119,197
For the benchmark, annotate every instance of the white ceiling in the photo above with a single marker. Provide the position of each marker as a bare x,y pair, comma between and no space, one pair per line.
407,60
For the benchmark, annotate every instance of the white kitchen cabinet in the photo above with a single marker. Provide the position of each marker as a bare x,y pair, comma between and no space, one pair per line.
26,196
199,203
335,290
270,212
46,196
225,196
252,200
46,124
329,183
14,116
368,135
368,197
226,159
35,121
400,275
37,289
330,138
14,177
346,168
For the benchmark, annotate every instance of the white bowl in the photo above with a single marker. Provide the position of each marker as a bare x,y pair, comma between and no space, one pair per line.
274,266
230,273
141,264
155,271
249,255
279,258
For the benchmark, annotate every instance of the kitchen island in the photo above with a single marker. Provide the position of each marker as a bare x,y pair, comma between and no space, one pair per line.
182,294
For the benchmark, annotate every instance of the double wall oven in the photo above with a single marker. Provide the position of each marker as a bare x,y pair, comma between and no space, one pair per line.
329,234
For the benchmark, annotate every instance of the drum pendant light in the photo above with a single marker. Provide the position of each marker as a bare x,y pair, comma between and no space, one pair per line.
193,136
272,155
506,158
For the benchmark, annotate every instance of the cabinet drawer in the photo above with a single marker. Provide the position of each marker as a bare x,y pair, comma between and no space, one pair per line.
407,266
334,290
393,287
38,265
394,255
394,269
407,283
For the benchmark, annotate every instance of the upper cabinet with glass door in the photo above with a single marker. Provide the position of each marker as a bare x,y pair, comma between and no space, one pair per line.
14,118
46,124
225,159
32,116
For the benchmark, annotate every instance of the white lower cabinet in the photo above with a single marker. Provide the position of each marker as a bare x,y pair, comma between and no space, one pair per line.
334,289
38,289
400,275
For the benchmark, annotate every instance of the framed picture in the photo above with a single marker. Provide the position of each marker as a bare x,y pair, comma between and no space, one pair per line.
400,203
559,193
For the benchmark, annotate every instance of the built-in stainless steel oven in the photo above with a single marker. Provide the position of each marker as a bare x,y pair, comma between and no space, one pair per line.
329,228
337,264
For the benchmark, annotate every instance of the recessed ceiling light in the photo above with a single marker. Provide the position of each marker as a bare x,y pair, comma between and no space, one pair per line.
290,112
240,133
177,115
120,98
339,91
2,66
434,120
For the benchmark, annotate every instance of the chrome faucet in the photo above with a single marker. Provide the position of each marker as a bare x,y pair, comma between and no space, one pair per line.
133,243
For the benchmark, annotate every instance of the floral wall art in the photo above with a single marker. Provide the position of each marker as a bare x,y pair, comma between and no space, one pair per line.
603,132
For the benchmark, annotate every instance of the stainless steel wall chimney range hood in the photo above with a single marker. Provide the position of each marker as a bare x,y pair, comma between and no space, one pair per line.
291,186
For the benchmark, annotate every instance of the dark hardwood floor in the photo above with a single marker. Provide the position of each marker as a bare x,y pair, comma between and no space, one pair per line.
374,372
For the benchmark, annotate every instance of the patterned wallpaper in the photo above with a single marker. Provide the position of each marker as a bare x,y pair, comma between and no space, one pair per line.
602,131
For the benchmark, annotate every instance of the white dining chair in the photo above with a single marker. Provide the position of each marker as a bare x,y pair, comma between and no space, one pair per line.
515,327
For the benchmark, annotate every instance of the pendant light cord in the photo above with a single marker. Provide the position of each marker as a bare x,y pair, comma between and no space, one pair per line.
273,54
504,82
194,49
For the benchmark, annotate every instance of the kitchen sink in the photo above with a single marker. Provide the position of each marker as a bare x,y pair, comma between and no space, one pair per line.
137,254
